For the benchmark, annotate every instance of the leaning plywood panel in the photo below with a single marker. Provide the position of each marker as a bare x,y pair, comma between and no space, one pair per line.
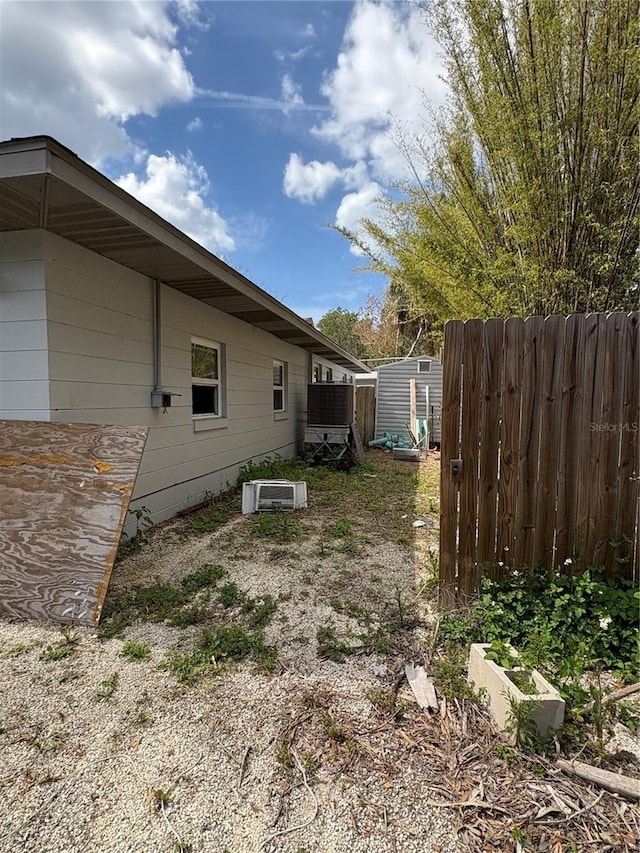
64,494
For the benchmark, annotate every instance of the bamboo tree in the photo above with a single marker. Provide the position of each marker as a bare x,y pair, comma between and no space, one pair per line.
532,196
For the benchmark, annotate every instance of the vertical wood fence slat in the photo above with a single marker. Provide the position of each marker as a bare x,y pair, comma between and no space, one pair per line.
509,440
450,449
471,389
628,504
491,397
590,440
573,368
529,440
550,432
612,399
547,424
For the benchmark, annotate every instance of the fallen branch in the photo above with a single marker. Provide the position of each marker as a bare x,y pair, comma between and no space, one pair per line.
300,825
614,782
615,696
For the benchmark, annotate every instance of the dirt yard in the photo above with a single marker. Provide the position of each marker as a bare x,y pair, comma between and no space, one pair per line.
245,693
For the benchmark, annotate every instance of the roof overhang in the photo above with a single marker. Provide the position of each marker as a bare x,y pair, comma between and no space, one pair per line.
45,185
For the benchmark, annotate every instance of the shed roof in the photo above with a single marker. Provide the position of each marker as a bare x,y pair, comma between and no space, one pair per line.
45,185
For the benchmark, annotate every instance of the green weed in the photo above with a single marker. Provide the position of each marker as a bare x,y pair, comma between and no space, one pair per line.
108,687
135,650
64,648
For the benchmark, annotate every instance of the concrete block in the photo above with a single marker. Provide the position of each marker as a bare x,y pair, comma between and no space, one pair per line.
548,705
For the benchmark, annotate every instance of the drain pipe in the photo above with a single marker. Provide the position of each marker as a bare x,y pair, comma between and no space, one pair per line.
160,399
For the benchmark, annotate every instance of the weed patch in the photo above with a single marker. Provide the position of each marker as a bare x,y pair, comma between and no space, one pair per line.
135,650
64,648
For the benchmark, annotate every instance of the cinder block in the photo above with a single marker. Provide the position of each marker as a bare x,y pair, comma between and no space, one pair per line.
548,710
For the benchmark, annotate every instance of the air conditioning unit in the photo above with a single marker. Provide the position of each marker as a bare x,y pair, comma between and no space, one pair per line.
271,495
330,404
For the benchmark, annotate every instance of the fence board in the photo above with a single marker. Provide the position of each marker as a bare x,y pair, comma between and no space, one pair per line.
590,441
509,441
612,399
490,416
450,449
471,390
568,468
628,503
529,440
550,431
64,493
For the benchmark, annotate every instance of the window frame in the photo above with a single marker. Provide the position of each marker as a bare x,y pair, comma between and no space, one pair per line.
279,387
205,382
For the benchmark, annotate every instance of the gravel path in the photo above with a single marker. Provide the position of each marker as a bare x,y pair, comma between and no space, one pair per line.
104,753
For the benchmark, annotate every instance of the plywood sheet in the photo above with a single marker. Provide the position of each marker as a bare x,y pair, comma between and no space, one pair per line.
64,494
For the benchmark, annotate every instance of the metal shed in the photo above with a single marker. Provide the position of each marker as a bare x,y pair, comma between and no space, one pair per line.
393,396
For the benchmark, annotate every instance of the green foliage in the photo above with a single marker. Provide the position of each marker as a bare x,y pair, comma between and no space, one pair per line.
108,687
450,673
132,545
340,528
215,647
567,622
331,648
135,650
230,595
283,527
528,199
64,648
162,602
340,325
207,576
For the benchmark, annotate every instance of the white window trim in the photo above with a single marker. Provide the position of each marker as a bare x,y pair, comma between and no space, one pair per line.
280,413
210,420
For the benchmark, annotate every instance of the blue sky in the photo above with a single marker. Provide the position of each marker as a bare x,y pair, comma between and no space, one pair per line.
252,125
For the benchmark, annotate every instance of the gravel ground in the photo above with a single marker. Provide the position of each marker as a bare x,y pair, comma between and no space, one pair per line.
301,759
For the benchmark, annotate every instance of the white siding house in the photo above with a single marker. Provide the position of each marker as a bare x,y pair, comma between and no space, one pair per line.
393,395
102,303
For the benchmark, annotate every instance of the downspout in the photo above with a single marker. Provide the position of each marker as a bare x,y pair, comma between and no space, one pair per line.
160,399
157,334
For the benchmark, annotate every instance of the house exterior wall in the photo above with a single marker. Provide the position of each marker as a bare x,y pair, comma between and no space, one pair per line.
96,324
320,368
393,400
24,361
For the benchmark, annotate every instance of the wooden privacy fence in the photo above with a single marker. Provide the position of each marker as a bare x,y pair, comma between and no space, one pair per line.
540,446
366,412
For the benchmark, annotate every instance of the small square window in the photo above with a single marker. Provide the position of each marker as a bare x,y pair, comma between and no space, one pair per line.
424,367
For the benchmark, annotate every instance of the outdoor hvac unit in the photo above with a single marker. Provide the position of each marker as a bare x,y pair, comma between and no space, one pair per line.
270,495
330,403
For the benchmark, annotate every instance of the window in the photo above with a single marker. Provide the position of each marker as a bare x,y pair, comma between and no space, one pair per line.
317,373
279,386
329,375
206,370
424,367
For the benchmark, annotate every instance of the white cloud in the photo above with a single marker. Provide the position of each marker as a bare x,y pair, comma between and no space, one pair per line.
295,55
309,182
308,31
291,92
195,124
357,206
387,61
191,14
176,188
77,71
